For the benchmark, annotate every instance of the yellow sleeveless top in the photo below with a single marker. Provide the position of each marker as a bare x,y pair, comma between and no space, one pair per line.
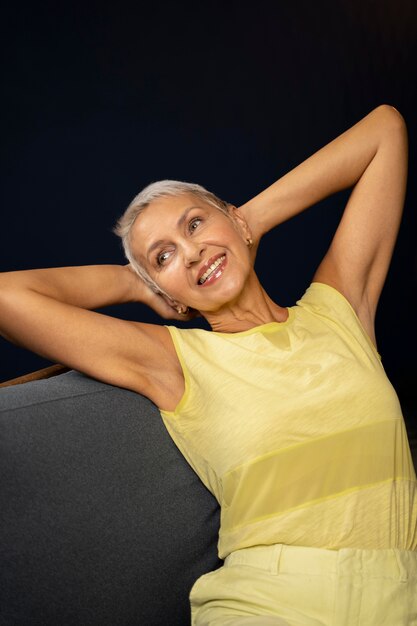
297,431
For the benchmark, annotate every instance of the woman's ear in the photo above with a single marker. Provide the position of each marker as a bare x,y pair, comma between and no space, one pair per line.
241,224
181,309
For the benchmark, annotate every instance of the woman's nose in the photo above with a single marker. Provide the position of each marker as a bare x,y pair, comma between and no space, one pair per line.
192,252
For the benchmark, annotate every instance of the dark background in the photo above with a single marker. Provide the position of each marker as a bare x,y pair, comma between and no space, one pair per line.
99,99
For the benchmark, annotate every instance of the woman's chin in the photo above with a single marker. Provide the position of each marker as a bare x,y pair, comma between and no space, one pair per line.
223,296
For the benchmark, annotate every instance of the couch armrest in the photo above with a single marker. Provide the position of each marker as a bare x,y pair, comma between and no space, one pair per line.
46,372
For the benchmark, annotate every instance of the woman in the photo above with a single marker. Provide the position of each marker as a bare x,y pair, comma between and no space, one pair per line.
285,413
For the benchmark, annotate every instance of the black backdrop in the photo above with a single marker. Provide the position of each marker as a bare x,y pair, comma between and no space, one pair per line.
101,98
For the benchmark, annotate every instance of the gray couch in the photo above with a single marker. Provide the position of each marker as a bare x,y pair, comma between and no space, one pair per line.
102,520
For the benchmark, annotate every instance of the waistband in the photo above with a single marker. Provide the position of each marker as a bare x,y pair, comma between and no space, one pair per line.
280,558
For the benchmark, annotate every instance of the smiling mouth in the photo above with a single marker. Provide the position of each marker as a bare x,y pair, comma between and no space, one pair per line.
211,269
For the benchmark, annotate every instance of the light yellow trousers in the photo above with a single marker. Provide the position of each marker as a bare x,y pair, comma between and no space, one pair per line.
294,586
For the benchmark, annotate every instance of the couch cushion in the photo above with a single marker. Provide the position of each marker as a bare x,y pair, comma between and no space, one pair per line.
102,520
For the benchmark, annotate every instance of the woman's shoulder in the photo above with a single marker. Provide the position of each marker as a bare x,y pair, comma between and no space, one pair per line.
321,296
326,301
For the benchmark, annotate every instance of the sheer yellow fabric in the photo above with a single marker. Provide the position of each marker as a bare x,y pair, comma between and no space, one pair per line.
297,431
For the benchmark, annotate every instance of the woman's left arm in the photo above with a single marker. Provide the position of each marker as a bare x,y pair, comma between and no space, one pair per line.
372,158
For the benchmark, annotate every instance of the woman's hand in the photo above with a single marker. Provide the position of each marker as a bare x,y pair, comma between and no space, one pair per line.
157,302
168,311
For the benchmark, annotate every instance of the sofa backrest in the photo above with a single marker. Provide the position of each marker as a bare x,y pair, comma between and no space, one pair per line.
103,522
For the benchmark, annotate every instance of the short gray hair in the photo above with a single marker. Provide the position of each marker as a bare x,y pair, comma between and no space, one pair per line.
159,189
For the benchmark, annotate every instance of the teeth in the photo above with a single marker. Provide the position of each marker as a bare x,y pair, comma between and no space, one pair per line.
211,269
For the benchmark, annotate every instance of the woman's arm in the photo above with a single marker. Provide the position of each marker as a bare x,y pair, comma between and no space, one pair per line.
336,166
47,311
372,157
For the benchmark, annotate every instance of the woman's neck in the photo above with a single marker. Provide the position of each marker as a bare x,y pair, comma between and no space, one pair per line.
253,308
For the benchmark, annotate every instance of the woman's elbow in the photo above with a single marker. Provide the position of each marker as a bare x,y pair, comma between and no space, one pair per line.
391,116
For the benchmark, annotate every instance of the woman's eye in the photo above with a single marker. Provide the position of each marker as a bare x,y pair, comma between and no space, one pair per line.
194,223
162,257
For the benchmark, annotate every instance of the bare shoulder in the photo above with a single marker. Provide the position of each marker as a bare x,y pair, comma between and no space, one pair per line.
159,372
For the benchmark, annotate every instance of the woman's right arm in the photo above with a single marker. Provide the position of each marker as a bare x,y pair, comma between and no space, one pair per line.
48,311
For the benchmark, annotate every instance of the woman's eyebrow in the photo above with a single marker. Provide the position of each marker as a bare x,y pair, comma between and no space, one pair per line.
184,215
179,224
156,244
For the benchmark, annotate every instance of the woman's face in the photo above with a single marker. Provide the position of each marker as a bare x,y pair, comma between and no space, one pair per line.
193,251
